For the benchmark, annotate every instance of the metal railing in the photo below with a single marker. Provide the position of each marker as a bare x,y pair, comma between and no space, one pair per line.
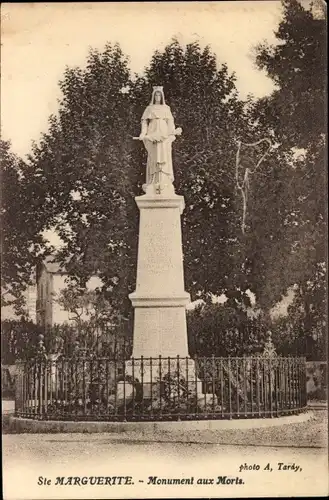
141,389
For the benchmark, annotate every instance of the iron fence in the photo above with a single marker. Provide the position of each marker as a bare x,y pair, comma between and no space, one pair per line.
142,389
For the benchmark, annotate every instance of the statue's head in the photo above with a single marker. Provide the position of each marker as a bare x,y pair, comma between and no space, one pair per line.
158,96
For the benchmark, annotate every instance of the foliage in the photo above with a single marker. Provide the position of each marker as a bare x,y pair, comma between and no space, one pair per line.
19,340
97,327
295,113
222,330
7,383
21,222
88,339
307,316
267,240
317,378
85,162
86,305
297,65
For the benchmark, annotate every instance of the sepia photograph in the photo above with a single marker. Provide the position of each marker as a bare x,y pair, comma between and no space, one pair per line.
164,249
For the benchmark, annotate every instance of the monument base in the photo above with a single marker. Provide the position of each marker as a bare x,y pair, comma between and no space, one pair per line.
158,375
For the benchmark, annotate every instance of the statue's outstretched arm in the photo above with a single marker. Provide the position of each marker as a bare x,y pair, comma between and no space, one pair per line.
143,129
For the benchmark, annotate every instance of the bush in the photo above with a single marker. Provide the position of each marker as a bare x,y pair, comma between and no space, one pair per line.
19,340
221,330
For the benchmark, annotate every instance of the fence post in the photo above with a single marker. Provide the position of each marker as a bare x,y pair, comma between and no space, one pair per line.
40,365
304,382
229,387
19,387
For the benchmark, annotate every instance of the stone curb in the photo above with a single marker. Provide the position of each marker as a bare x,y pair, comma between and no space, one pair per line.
24,425
317,405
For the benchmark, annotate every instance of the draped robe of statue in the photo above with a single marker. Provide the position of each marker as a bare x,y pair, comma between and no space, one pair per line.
158,133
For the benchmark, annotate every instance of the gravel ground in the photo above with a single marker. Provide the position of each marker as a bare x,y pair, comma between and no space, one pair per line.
310,434
313,434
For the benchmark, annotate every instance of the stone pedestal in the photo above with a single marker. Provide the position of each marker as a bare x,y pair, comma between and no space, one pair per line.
160,300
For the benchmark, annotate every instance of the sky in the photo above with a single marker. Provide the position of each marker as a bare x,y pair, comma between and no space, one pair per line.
39,40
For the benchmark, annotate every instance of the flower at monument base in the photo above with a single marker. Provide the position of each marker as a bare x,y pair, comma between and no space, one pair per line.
207,402
157,404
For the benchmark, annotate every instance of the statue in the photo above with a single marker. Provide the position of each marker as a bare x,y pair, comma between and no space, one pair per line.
158,133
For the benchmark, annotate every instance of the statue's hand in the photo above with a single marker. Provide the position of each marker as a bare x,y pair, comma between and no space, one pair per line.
141,137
